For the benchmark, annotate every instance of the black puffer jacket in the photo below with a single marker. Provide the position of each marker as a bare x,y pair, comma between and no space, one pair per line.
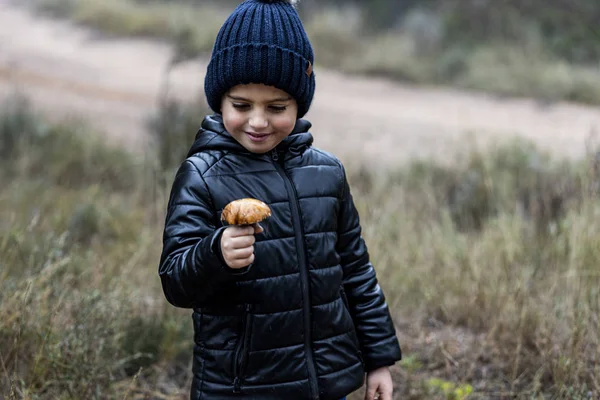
308,318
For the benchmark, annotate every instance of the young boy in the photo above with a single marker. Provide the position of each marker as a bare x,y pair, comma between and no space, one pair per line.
293,311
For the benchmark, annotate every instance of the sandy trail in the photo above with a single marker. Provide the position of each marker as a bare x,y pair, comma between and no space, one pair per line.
68,70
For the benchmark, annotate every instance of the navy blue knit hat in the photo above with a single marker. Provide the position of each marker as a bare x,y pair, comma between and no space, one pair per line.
262,41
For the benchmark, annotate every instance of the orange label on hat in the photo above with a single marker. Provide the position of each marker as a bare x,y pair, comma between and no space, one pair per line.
309,70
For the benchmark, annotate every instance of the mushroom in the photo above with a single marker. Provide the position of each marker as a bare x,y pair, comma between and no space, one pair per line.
245,212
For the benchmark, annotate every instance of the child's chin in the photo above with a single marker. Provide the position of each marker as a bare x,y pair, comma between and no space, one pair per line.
259,148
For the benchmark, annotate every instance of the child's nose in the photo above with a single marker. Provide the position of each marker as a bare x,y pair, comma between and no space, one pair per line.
258,121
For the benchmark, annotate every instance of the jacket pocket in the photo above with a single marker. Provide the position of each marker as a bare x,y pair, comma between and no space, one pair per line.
242,349
353,333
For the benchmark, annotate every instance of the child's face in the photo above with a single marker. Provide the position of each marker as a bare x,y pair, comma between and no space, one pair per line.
259,117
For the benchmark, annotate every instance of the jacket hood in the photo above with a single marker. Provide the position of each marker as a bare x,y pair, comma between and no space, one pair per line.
213,136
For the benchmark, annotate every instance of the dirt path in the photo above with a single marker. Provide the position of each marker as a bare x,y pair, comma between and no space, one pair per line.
113,83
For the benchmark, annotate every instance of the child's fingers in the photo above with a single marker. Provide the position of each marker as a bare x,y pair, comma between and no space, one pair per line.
236,242
371,391
237,245
385,393
237,231
240,242
241,254
242,263
387,390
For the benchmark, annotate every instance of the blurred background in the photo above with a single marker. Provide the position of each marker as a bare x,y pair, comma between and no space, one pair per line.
469,131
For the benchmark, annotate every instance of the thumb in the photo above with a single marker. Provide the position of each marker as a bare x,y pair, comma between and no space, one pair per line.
258,229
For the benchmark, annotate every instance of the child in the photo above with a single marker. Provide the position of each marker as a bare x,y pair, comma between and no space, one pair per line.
293,311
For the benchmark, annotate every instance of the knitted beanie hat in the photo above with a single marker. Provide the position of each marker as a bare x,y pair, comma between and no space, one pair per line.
262,41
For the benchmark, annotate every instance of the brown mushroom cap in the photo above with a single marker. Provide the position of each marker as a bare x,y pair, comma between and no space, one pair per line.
245,212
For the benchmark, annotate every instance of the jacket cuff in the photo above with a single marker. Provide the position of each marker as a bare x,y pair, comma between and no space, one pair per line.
385,354
372,366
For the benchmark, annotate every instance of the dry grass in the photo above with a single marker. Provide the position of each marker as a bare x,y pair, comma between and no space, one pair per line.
494,290
80,310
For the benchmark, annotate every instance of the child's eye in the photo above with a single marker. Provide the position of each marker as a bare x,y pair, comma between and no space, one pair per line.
241,106
278,109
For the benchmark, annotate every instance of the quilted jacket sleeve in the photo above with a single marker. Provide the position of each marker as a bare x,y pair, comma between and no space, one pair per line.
191,265
374,325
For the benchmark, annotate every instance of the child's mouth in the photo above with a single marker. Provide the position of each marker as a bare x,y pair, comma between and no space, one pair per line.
258,137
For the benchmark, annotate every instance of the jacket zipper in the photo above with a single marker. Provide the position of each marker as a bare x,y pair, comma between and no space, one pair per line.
241,351
293,195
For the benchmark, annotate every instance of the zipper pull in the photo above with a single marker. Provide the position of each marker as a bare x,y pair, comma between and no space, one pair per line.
274,155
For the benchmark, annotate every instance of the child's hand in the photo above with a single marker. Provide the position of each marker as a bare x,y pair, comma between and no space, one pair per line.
237,245
379,382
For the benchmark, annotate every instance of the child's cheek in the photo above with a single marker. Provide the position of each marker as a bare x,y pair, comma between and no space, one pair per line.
284,124
233,121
